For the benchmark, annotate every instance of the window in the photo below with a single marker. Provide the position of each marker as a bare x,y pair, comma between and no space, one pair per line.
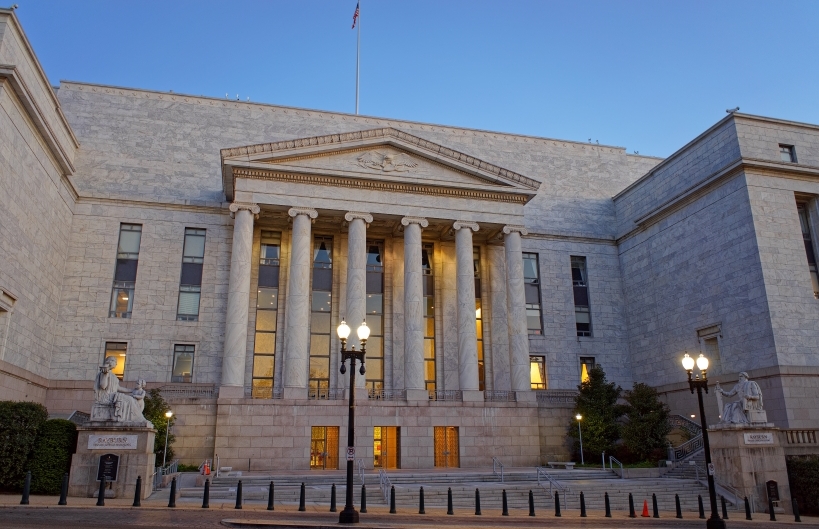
537,372
531,286
320,324
804,221
122,293
580,284
586,365
375,315
476,260
787,153
182,363
267,305
190,282
118,351
427,252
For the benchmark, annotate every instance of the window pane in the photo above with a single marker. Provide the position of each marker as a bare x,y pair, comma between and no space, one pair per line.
375,282
430,327
582,315
322,253
374,322
266,320
126,270
479,329
537,372
191,274
533,320
319,368
374,255
375,304
267,298
269,251
375,369
268,275
429,306
321,302
322,279
532,292
122,300
129,240
183,366
429,348
530,267
480,350
375,346
188,303
320,323
263,366
319,345
429,370
118,350
265,343
194,246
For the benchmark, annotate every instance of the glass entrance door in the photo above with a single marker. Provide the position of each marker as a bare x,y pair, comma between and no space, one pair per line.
387,447
324,448
447,454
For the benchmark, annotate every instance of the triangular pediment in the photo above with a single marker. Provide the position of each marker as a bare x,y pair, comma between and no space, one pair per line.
386,155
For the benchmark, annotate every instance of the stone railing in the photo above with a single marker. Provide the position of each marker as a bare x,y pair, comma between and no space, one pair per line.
686,449
499,396
264,392
684,423
326,394
387,394
189,391
800,437
556,396
446,394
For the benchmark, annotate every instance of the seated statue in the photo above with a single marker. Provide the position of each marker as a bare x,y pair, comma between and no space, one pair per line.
746,410
113,403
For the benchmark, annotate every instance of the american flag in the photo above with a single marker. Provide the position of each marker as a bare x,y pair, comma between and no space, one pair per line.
355,15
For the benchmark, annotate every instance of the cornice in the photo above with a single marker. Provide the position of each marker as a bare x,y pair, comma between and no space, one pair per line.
378,185
219,210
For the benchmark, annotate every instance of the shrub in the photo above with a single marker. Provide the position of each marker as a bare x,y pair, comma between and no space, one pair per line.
597,403
155,408
19,424
645,432
803,477
52,455
182,467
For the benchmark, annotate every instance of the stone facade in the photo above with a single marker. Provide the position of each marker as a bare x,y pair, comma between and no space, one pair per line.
700,250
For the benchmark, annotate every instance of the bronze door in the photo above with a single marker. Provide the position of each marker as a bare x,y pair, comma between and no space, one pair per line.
387,447
324,448
447,454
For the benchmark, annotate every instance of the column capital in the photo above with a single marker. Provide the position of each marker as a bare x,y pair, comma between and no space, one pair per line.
310,212
352,215
421,221
249,206
465,224
511,228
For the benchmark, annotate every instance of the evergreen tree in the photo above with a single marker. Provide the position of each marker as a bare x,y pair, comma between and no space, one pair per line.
647,425
596,402
155,408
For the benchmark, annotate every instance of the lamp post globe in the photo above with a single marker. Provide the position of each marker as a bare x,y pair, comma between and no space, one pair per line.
700,382
168,415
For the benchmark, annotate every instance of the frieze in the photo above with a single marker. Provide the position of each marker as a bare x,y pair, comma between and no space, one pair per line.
386,161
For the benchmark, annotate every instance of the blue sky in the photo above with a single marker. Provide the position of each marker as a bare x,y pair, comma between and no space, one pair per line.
645,75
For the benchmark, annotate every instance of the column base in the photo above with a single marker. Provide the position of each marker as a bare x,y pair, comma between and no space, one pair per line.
417,394
472,395
294,393
231,392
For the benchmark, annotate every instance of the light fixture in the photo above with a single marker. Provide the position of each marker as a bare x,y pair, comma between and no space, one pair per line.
363,331
688,362
169,414
578,416
702,363
692,415
343,330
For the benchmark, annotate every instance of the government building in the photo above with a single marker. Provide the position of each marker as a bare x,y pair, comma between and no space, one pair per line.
214,246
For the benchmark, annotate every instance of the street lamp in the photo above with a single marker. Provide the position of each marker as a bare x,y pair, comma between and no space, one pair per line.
349,514
580,433
695,382
168,415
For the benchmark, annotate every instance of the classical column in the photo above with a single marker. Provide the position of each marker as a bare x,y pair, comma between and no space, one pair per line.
233,361
356,277
413,304
297,312
467,334
516,313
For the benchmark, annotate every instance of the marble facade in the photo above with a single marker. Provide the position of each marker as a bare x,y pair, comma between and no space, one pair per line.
701,251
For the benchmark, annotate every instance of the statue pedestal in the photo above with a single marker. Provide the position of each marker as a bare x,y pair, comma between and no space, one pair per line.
746,457
122,451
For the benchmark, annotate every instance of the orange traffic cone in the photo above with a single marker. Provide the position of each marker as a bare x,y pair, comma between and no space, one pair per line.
207,468
645,508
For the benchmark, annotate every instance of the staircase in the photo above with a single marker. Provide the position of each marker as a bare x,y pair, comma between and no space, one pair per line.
685,470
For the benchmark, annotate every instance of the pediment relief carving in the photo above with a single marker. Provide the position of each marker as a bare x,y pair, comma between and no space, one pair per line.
386,161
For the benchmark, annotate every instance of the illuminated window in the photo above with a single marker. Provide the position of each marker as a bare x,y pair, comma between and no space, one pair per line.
580,284
375,315
429,316
118,351
190,284
122,293
537,371
804,221
586,365
182,363
531,285
267,305
320,324
476,259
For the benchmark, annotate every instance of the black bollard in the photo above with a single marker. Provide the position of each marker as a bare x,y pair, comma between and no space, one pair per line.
392,499
608,506
172,498
531,504
631,506
654,505
238,495
137,492
449,501
557,504
505,505
333,498
747,509
270,498
421,502
582,505
363,499
27,489
724,508
100,496
677,503
64,491
206,495
702,509
770,509
301,498
796,517
477,502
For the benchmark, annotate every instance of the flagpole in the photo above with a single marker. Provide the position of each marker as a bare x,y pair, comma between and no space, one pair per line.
358,57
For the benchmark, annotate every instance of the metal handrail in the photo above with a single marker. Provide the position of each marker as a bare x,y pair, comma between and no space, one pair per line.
553,483
387,394
385,484
360,464
614,459
446,394
495,460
